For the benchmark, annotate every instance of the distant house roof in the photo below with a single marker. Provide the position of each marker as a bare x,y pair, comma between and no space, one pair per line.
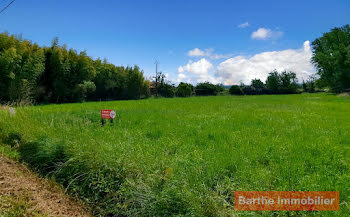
152,84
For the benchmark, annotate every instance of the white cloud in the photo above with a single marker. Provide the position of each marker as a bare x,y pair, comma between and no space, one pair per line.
220,56
243,25
200,67
209,52
182,76
263,34
244,69
195,72
199,53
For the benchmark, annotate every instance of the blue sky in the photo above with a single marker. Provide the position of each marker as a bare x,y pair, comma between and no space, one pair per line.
138,32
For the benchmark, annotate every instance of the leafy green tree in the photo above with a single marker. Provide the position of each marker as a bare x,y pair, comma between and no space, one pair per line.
289,82
167,90
21,64
57,74
9,66
81,75
66,72
282,83
109,80
135,83
331,56
273,82
82,91
258,84
184,90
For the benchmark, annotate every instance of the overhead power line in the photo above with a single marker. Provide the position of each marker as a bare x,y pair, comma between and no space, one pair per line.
7,6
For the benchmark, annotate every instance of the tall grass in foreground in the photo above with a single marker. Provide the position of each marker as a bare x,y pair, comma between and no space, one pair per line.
185,157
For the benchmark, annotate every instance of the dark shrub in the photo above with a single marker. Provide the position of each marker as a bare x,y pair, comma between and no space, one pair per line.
206,89
235,90
13,139
166,90
249,90
259,86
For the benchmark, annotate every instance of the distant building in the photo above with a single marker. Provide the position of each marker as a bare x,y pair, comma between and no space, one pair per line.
152,87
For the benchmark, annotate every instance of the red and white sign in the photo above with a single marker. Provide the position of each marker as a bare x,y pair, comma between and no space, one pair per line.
108,114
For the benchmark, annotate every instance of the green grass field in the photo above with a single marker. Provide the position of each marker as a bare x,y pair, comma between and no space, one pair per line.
186,156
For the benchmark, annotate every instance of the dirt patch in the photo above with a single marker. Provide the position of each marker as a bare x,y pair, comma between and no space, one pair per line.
36,196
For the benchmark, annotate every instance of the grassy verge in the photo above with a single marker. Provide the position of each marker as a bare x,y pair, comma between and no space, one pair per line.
11,206
185,157
16,206
9,152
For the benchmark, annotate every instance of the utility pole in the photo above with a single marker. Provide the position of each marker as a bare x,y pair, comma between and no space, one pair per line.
156,62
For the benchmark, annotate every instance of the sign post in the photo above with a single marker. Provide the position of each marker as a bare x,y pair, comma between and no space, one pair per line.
107,114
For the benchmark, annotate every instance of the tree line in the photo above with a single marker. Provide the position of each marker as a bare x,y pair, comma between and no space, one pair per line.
167,89
331,57
276,83
57,74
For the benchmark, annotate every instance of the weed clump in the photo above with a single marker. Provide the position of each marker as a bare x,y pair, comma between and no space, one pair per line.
43,156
